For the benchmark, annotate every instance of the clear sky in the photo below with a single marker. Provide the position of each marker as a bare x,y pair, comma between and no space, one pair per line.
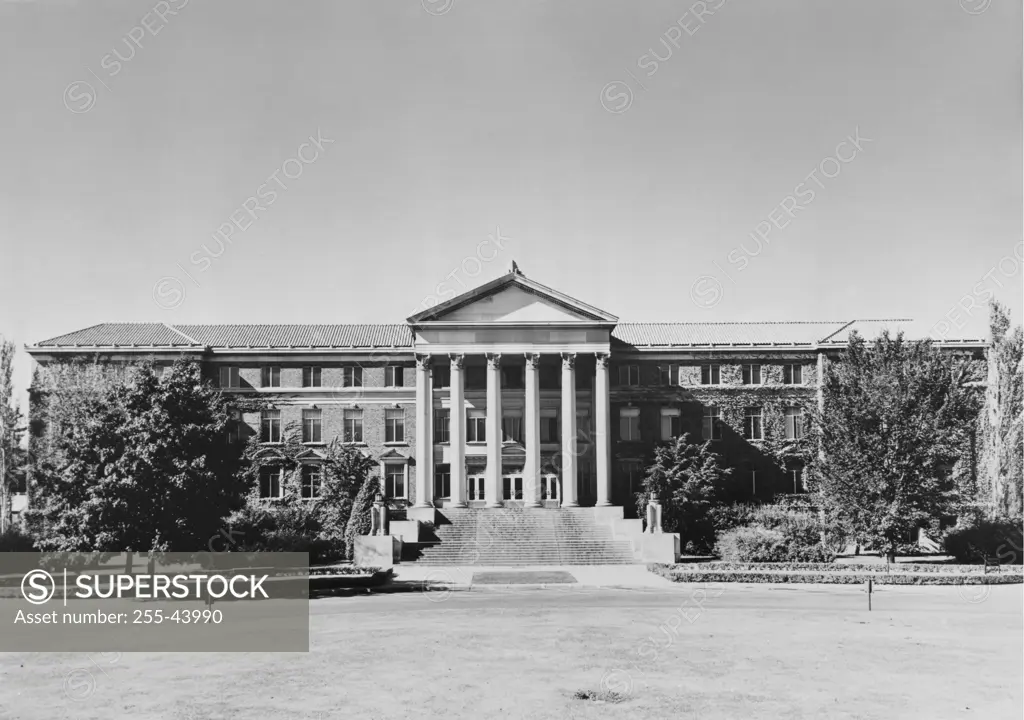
631,182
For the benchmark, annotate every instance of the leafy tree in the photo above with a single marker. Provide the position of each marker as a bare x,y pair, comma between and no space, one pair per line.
897,416
359,523
1002,446
684,477
144,466
318,523
12,455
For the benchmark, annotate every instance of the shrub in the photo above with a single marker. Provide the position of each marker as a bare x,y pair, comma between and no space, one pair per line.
16,539
727,517
776,534
280,527
974,539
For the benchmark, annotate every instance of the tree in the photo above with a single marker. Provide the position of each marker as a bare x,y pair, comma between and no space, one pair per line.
12,456
1002,445
896,417
145,467
684,477
317,523
360,523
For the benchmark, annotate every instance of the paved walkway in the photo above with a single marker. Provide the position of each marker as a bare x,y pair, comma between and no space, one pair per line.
586,575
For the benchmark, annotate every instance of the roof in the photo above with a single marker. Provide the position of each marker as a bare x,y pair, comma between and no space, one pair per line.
514,277
725,334
399,335
160,335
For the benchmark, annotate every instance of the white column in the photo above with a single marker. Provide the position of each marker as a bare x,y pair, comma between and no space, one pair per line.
569,489
531,468
424,426
457,432
602,430
492,488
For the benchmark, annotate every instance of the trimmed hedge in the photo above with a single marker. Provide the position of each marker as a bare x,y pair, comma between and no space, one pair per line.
706,573
935,568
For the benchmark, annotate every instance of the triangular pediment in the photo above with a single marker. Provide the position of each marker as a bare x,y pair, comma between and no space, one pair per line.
513,298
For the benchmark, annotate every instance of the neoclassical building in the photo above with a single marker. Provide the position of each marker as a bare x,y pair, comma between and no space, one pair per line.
510,394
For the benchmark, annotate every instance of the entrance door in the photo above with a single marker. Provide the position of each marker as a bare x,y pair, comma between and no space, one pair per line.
512,487
475,487
549,489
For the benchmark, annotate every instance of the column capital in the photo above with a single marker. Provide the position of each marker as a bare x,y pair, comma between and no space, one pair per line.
458,360
602,359
532,360
568,360
422,362
493,360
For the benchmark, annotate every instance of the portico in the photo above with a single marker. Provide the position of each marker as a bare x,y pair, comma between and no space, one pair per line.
512,389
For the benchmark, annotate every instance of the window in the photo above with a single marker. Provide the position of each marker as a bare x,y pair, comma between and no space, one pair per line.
512,376
752,429
629,375
793,374
476,426
629,424
442,376
633,472
312,479
476,377
710,374
235,427
712,425
752,374
512,428
794,423
394,480
583,427
443,482
311,425
229,377
671,423
668,374
270,426
352,376
270,376
394,425
549,432
270,482
475,489
352,426
394,376
442,426
797,476
311,376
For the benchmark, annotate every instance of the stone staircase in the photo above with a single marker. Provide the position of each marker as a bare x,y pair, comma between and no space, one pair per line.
518,536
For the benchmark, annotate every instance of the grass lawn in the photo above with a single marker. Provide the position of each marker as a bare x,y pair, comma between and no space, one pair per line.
747,651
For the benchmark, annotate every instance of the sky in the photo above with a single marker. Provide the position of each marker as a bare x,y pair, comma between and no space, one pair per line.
663,161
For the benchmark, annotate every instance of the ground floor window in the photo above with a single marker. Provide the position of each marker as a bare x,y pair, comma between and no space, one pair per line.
312,479
797,477
394,481
271,482
443,482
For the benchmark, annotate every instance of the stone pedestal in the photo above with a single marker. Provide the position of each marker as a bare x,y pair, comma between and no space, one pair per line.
408,531
424,515
380,550
660,548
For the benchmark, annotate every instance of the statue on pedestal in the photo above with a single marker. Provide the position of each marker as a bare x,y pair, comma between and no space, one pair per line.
654,516
378,516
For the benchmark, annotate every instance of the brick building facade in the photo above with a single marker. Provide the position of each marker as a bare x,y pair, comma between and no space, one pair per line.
550,389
